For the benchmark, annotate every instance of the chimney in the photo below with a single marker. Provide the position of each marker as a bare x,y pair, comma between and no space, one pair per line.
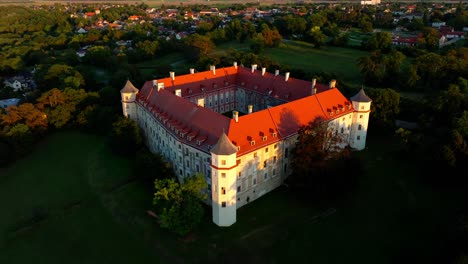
286,76
332,83
250,107
254,67
276,72
263,71
314,90
201,102
192,70
155,83
213,69
172,74
235,115
235,64
178,92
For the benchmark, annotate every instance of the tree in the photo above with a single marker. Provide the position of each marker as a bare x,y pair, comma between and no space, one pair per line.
199,45
125,137
26,114
317,37
99,56
271,37
179,205
148,48
385,105
149,166
379,41
314,144
320,165
61,107
61,76
365,25
430,39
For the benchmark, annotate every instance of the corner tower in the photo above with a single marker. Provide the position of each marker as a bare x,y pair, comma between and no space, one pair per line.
361,105
223,181
128,94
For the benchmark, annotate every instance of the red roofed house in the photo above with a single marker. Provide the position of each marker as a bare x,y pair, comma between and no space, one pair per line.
245,156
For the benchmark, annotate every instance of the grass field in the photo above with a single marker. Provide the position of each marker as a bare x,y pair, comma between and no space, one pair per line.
72,201
334,60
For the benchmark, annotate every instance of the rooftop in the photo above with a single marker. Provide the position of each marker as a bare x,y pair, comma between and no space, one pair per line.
202,127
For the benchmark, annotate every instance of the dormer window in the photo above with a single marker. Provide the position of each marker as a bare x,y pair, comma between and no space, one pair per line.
252,143
264,138
273,134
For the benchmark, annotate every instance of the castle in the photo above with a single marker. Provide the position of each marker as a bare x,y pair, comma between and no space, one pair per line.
237,126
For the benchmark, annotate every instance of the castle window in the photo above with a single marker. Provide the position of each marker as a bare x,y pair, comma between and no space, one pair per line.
223,162
362,107
358,137
360,116
196,154
254,181
264,164
275,146
238,189
359,127
274,159
238,161
255,154
198,168
223,175
265,176
266,149
223,204
239,175
286,153
343,119
342,130
223,190
126,97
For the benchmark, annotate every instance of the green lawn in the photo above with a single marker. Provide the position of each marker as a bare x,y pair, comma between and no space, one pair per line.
89,209
337,60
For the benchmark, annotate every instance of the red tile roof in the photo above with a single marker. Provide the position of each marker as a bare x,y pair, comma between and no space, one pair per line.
263,127
175,111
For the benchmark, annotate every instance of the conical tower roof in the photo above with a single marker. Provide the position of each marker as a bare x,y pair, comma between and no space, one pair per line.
129,88
224,146
361,97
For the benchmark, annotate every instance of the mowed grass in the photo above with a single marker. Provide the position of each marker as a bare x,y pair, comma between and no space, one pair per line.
54,206
333,60
95,212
